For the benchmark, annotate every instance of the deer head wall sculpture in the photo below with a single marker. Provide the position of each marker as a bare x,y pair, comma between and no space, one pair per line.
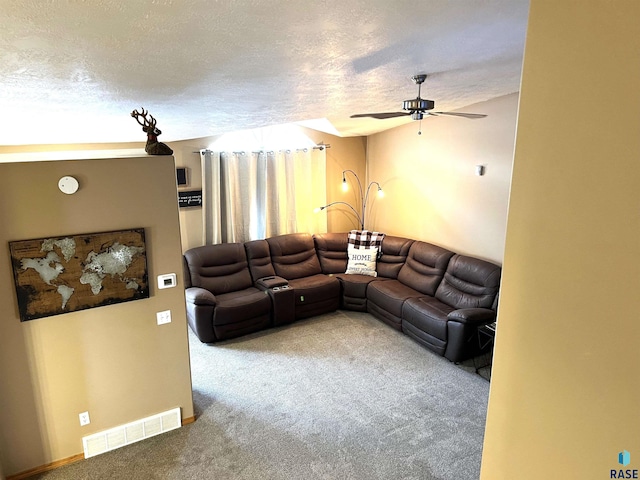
153,146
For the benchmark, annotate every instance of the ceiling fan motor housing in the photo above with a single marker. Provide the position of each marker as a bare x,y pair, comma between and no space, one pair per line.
418,104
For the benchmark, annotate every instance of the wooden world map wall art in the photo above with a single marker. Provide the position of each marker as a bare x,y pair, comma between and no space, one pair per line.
66,274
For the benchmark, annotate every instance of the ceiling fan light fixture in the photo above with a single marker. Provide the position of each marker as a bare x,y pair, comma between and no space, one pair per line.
418,104
417,107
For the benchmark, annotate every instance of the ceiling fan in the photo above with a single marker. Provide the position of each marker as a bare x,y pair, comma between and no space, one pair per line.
417,107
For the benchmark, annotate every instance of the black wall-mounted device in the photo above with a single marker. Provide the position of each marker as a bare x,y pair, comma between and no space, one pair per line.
181,176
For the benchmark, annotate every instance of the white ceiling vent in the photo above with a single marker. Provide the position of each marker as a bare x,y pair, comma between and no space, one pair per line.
129,433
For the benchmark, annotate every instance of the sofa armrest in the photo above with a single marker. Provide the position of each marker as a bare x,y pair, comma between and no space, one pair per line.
472,316
200,296
265,283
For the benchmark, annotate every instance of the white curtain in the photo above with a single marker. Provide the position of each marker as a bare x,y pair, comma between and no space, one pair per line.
249,196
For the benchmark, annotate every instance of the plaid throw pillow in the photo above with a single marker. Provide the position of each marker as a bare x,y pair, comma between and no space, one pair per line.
365,239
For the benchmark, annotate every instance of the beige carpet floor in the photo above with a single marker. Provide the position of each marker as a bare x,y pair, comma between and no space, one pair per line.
338,396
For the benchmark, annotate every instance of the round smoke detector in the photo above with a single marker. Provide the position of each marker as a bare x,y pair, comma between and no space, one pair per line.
68,185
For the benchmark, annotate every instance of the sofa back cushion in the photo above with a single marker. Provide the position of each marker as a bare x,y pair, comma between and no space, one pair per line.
425,266
394,253
259,259
331,249
469,283
219,268
294,255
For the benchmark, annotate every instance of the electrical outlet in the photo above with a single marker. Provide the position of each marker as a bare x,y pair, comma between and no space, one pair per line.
163,317
84,419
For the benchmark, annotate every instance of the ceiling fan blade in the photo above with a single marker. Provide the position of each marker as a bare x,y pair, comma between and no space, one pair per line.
381,116
472,116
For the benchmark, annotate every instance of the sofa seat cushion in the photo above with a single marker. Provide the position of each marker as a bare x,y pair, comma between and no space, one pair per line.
425,320
354,290
354,285
241,305
315,288
428,315
390,295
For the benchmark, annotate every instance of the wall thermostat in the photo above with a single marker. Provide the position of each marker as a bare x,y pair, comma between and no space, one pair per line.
167,280
68,185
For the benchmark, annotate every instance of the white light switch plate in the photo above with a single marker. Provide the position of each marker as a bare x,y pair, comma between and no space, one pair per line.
163,317
84,419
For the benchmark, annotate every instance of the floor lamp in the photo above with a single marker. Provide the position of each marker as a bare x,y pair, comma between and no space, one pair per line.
364,197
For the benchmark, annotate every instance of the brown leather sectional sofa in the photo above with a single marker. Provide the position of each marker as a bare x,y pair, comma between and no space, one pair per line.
435,296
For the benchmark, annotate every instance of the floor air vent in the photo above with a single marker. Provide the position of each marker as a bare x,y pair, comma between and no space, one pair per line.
129,433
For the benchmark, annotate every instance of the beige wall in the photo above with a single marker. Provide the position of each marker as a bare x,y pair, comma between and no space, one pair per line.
344,154
565,390
113,361
432,192
186,153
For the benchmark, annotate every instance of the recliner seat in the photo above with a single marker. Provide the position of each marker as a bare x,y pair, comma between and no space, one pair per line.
294,258
222,302
447,322
420,275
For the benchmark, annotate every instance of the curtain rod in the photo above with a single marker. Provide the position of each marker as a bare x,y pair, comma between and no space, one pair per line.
320,147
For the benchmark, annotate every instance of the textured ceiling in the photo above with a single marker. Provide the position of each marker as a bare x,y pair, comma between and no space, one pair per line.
72,70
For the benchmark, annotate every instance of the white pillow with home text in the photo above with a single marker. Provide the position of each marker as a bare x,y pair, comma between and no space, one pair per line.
362,261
